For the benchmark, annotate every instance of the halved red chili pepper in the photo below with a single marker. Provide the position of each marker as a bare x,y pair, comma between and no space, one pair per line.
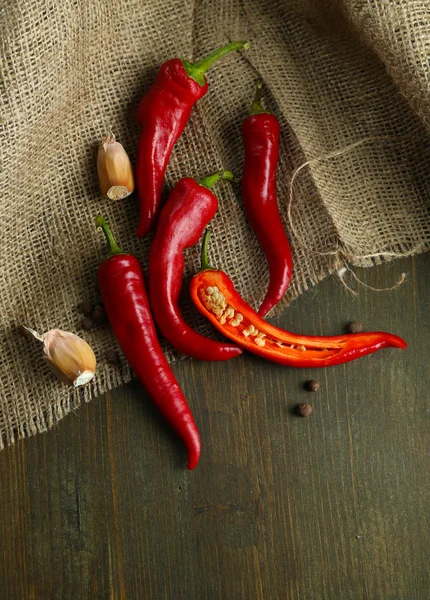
214,295
260,133
124,296
190,207
162,115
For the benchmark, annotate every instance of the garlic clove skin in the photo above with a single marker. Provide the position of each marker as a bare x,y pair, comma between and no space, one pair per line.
69,357
114,169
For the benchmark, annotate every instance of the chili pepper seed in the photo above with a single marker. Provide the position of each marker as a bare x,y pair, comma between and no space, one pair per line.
229,312
304,410
355,327
312,385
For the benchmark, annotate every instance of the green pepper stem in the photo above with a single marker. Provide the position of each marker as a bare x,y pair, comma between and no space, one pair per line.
204,254
210,180
113,246
197,70
257,105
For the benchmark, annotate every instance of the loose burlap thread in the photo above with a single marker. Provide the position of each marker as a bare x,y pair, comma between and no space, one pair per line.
334,72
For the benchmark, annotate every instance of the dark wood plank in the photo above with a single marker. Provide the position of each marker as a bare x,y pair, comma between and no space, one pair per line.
334,506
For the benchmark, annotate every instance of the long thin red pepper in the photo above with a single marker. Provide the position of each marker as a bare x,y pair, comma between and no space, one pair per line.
124,296
190,207
214,294
162,115
260,133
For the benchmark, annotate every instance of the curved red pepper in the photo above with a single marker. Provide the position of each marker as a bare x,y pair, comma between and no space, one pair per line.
213,292
124,296
162,115
260,133
190,207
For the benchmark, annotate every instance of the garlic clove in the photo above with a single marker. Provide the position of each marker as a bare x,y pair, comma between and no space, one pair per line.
114,169
70,357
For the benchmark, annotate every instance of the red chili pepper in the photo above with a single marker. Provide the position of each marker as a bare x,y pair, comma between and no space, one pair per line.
162,115
260,133
124,296
189,209
213,293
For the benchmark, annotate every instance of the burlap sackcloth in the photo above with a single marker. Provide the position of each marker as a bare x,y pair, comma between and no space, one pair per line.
334,73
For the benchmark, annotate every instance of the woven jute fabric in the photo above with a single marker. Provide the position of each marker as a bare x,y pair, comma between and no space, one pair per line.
334,72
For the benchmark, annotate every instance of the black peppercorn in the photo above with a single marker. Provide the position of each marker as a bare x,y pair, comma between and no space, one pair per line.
355,327
112,357
87,324
86,308
304,410
99,315
312,385
24,331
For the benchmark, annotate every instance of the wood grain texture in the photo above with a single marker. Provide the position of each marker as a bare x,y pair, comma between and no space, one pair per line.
280,507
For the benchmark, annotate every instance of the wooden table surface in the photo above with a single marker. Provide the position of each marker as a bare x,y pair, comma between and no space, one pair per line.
280,507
